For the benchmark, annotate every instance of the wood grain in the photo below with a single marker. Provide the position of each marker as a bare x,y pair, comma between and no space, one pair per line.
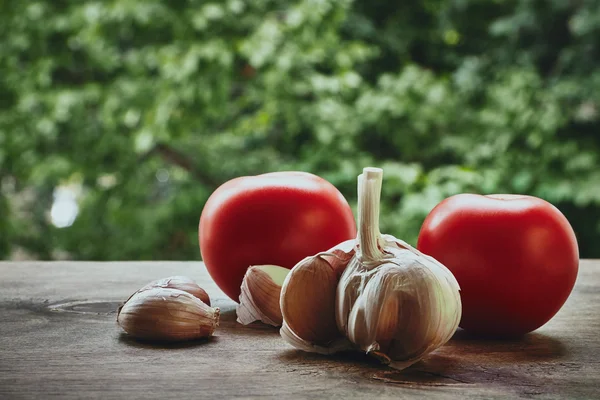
59,339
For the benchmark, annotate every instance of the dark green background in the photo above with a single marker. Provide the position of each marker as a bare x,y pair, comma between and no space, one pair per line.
103,97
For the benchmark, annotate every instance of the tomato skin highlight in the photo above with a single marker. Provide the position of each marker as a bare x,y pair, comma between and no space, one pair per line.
515,258
277,218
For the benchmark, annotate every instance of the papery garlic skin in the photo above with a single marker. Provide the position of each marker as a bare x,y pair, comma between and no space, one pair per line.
178,282
166,314
337,342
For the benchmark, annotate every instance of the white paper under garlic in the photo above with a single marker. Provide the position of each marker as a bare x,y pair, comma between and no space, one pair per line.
392,301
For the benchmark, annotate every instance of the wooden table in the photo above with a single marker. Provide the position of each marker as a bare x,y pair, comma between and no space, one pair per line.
58,338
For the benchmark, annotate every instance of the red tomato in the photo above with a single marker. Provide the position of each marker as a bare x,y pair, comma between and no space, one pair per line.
514,257
277,218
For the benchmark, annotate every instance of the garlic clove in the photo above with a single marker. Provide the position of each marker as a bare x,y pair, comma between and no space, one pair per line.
308,298
167,314
259,298
178,282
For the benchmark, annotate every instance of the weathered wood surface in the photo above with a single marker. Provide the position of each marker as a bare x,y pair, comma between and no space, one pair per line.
59,339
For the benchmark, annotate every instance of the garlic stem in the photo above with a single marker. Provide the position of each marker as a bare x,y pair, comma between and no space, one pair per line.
369,195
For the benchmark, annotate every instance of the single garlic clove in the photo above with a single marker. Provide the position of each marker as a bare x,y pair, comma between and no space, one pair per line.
308,299
178,282
259,298
167,314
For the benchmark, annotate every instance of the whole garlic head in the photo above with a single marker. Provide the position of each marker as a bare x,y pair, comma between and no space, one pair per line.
392,301
399,309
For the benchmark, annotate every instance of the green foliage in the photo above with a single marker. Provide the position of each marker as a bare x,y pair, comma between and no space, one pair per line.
145,107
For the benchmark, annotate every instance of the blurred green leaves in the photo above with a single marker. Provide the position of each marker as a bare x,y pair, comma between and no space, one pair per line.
147,106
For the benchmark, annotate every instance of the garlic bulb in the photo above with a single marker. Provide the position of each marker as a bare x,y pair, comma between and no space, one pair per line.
391,301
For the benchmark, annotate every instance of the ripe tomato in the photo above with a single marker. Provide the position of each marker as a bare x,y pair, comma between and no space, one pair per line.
277,218
514,257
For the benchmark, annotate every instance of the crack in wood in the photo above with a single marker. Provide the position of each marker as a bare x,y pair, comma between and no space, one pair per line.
411,383
418,379
87,307
445,376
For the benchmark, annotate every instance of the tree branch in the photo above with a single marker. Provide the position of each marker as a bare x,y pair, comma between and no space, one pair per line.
173,156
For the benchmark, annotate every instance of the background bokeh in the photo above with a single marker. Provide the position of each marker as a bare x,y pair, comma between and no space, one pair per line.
119,118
